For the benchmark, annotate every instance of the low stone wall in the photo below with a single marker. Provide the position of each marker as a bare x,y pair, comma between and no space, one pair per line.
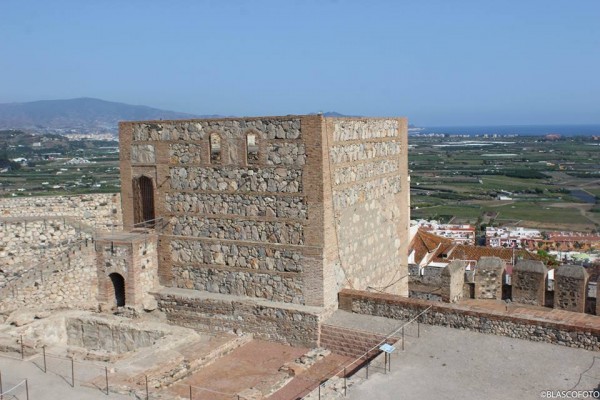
100,211
539,330
266,320
109,336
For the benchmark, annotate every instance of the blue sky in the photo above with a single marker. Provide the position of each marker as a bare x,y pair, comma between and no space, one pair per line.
437,62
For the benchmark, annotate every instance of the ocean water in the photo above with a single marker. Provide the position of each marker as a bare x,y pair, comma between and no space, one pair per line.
521,130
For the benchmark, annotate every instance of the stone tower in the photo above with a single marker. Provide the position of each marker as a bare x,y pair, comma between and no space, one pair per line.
278,213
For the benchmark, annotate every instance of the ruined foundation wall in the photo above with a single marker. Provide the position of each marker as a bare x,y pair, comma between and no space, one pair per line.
369,181
297,326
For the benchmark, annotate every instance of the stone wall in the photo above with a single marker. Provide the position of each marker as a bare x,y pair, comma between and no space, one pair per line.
451,315
100,211
266,223
295,325
489,278
570,288
99,334
529,282
452,281
69,281
369,183
30,242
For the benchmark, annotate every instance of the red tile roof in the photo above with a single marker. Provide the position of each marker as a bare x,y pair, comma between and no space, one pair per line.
424,243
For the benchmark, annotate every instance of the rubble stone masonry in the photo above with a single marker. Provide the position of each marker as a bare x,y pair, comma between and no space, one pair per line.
569,332
268,224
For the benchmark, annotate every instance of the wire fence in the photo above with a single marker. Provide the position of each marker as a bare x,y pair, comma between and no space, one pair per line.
106,379
102,377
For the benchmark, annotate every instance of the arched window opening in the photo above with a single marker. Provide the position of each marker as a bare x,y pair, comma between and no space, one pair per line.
119,287
251,148
215,148
143,202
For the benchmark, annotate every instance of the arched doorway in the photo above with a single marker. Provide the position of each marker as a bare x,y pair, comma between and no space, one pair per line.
119,287
143,202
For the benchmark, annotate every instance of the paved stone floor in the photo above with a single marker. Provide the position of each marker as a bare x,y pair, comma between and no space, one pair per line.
446,363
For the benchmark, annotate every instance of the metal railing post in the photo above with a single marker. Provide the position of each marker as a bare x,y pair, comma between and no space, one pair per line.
191,392
22,348
26,389
106,374
146,387
1,390
44,352
385,355
72,372
345,383
403,338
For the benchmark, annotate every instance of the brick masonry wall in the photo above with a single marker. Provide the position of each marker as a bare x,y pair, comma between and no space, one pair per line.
132,256
450,315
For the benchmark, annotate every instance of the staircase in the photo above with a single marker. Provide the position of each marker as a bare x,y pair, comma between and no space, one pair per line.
352,342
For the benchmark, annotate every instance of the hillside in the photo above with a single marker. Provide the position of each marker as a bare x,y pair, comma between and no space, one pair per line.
83,114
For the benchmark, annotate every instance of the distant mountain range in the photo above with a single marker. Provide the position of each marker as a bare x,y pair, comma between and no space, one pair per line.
83,114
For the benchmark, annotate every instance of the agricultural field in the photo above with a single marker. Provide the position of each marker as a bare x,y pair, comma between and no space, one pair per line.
54,165
525,181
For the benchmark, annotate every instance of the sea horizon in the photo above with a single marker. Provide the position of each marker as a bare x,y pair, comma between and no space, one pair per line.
521,130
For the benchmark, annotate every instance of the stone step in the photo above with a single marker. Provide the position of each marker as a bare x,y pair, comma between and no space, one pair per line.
349,342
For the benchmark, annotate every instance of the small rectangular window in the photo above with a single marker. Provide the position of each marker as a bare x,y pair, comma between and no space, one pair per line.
252,148
215,148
